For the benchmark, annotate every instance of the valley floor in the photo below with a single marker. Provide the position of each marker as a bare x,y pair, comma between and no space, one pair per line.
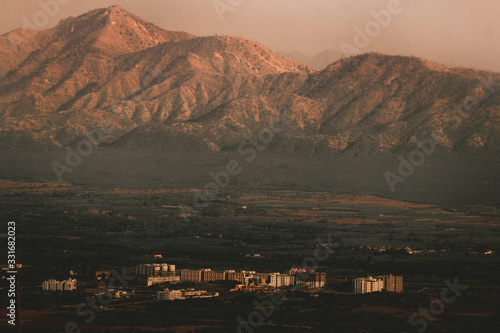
92,229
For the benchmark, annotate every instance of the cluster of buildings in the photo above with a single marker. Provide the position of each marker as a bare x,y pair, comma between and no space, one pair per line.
298,277
54,285
150,274
155,270
170,295
370,284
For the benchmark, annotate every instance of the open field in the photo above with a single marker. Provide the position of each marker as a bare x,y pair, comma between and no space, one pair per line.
449,179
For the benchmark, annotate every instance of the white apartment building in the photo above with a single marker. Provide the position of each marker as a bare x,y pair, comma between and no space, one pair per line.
54,285
367,285
151,280
155,270
278,280
169,295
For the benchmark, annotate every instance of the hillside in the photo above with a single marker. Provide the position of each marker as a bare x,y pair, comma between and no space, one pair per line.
153,94
110,66
109,57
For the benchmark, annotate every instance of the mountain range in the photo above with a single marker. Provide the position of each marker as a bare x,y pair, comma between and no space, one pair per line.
111,65
111,75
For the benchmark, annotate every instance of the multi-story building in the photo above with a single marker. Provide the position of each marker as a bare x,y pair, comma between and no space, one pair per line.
49,285
311,280
234,276
308,278
151,280
53,285
398,284
261,278
256,278
155,270
169,295
69,284
367,285
359,286
209,275
278,280
274,280
392,283
191,275
319,280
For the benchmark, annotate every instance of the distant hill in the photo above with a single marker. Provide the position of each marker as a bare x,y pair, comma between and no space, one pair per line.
319,61
298,56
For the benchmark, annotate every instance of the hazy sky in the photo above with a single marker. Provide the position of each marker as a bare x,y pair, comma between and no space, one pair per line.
452,32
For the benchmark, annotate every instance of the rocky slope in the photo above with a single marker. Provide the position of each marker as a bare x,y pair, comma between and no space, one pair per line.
172,90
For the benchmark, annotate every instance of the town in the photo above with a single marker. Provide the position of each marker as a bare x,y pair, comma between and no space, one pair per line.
164,274
125,260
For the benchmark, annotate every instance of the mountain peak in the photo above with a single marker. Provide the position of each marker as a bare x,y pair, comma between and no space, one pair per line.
116,30
117,12
115,8
102,17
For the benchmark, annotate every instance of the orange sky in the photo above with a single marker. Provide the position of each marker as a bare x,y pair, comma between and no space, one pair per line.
452,32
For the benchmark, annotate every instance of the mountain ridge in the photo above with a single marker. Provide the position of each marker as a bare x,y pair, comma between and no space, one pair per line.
110,65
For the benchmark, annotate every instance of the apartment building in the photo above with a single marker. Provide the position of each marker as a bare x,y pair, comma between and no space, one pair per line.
392,283
308,278
234,276
209,275
278,280
151,280
155,270
169,295
54,285
311,280
367,285
191,275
